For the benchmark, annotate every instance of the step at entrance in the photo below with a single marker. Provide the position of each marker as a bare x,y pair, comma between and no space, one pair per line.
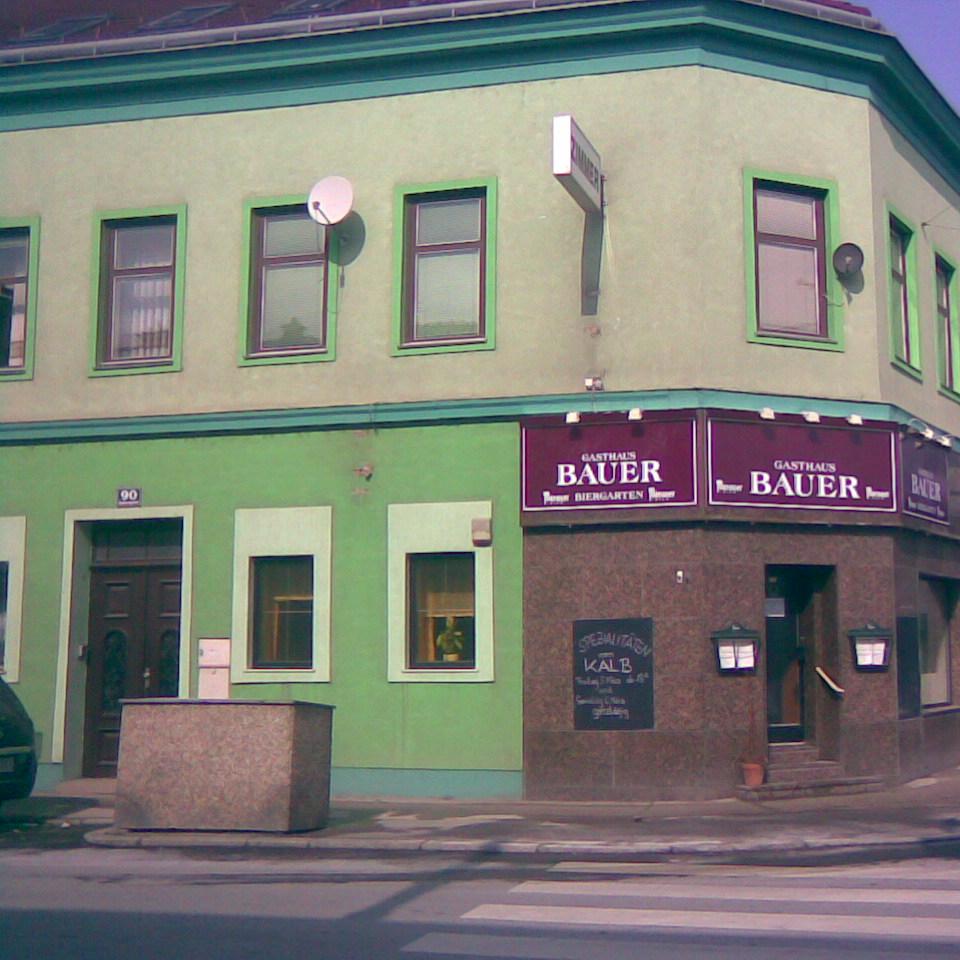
795,770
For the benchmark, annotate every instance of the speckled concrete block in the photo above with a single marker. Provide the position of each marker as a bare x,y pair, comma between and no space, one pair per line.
224,765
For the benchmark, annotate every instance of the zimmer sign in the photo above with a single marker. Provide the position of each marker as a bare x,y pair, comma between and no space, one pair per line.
801,466
611,465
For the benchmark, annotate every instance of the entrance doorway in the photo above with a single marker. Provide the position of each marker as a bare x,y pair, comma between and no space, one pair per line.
794,646
133,641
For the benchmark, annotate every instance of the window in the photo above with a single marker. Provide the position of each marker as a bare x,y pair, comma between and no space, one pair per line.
440,593
12,548
287,303
937,602
447,283
140,292
281,599
281,625
947,325
18,269
793,298
904,319
441,607
791,262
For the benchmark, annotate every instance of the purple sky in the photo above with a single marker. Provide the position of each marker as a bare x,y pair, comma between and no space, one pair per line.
930,30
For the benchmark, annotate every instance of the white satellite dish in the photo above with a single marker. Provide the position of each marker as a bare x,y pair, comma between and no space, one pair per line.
330,200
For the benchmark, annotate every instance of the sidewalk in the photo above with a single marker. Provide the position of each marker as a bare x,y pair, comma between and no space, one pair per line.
915,819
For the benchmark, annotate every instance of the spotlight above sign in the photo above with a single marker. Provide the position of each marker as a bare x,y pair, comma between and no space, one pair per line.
576,164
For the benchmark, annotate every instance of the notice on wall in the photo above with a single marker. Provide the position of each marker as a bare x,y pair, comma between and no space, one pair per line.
926,493
802,466
609,463
613,674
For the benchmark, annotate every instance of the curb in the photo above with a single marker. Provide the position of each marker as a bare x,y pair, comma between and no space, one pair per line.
818,849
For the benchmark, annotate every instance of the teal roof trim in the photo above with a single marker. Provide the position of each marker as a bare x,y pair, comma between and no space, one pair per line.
370,416
486,50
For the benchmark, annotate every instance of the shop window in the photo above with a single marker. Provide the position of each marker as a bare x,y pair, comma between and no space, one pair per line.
441,604
947,325
792,296
281,603
937,602
287,301
447,282
12,547
901,278
440,593
140,292
18,268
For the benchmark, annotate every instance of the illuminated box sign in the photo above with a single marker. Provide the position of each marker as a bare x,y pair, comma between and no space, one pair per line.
801,466
576,164
609,464
926,493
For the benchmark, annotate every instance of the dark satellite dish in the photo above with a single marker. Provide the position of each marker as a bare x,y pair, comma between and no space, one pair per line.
847,259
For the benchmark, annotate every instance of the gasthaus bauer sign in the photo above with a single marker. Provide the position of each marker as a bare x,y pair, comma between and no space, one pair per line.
801,466
609,463
926,493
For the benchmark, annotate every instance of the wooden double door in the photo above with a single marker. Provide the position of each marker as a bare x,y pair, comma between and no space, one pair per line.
133,650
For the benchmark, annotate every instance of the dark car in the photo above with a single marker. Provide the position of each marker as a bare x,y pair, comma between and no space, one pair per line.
18,758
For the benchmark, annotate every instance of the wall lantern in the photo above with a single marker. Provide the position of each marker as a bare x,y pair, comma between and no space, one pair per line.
871,647
736,648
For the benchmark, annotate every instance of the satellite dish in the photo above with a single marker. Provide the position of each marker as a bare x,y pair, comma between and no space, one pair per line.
330,200
847,259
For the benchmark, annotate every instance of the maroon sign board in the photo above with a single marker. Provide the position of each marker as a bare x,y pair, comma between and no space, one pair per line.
800,466
610,463
926,493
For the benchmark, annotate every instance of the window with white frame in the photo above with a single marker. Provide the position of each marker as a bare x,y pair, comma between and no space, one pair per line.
440,592
281,595
13,540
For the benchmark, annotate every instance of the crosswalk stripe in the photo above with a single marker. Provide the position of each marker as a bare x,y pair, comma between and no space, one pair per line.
837,924
661,890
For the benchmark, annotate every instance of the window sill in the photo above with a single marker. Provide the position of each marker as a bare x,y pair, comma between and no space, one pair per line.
911,371
267,675
435,346
15,373
266,359
804,343
441,675
122,370
949,393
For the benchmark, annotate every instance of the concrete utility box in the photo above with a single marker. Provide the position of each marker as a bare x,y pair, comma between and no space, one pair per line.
224,765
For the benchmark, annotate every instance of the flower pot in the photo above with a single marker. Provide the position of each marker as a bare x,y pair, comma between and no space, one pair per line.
752,774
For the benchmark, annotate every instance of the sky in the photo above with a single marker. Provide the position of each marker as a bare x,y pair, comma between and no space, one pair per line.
930,30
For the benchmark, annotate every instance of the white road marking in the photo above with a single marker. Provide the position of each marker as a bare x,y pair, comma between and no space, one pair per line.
666,890
908,927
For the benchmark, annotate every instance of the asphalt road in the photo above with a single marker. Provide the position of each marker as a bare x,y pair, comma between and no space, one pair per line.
125,904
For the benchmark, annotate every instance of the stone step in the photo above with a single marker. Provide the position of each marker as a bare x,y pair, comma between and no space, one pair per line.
828,788
793,753
814,771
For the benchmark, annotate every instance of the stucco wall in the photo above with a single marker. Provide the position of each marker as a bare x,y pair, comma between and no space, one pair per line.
674,142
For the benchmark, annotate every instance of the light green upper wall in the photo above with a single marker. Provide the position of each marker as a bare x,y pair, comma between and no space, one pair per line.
906,185
673,297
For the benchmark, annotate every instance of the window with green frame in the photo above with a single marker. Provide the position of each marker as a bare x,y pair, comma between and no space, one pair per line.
948,334
18,277
139,292
446,267
902,281
793,297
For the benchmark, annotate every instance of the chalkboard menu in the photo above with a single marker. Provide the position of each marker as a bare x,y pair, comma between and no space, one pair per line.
613,674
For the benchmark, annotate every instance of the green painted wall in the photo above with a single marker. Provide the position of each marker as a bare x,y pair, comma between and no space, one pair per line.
377,724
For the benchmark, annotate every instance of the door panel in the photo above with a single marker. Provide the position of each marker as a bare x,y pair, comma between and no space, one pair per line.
133,651
785,667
